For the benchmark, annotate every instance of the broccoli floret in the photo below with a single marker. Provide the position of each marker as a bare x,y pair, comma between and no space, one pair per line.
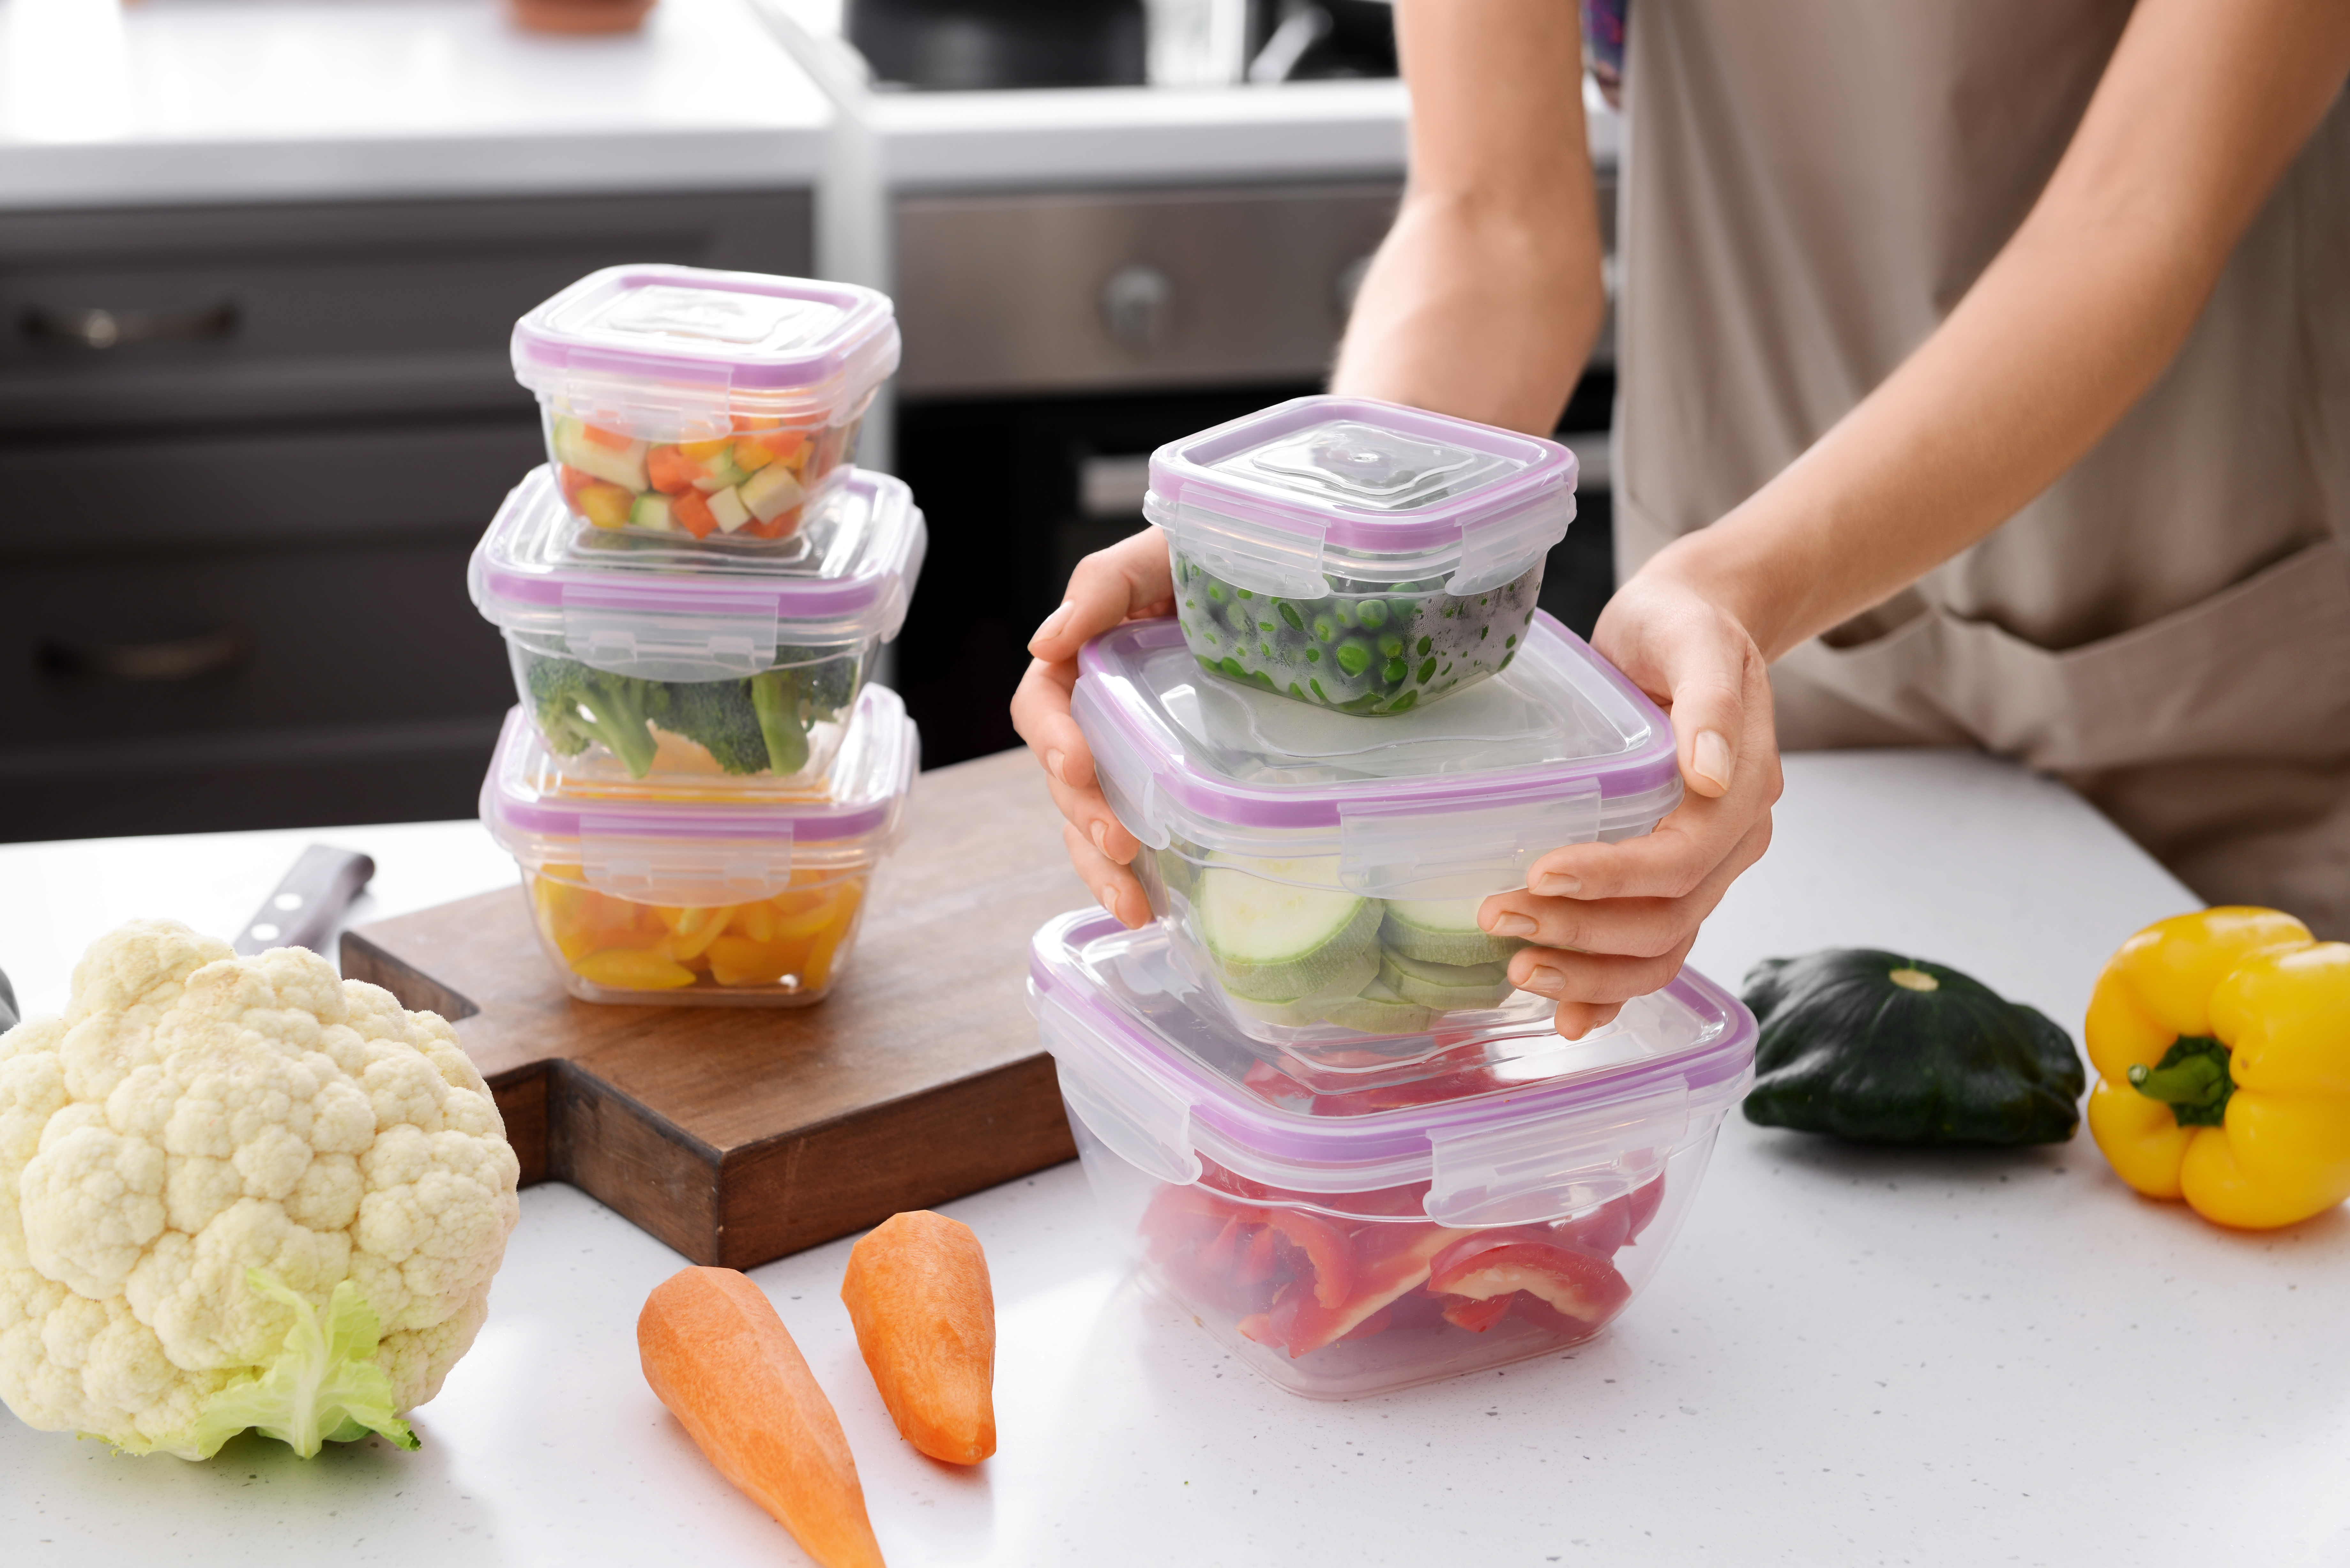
775,696
718,716
826,678
579,706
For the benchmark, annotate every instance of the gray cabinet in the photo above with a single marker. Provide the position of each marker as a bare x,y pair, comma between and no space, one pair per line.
245,454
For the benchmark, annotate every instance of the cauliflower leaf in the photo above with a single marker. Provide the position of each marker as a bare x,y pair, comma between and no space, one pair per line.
324,1386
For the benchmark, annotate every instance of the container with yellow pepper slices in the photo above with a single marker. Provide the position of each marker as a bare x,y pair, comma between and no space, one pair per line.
650,892
2224,1041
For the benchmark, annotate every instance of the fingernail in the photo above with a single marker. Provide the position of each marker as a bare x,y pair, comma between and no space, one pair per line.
1053,761
1709,759
1110,899
1101,839
1556,885
1052,623
1544,981
1510,923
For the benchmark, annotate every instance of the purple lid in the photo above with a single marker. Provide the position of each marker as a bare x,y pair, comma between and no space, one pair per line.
1167,1084
696,327
538,813
683,611
1285,500
1558,749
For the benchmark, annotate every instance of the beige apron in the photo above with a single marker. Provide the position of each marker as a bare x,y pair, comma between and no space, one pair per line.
1809,187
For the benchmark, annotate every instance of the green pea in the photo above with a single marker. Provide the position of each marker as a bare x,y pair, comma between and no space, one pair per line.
1505,659
1289,613
1264,651
1209,637
1293,691
1372,613
1326,629
1425,642
1262,679
1404,701
1354,658
1338,608
1427,672
1232,667
1391,645
1482,599
1318,693
1405,608
1481,631
1313,656
1510,641
1394,671
1215,590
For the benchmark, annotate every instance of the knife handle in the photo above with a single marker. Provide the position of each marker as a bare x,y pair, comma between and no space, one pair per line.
305,907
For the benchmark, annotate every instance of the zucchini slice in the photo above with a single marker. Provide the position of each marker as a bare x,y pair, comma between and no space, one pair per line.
1442,930
1281,931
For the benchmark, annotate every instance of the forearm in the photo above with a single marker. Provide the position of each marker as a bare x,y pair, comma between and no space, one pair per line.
1485,297
2199,111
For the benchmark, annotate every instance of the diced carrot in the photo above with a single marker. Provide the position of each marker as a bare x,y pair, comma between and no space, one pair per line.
781,526
719,1358
616,439
670,469
779,445
917,1289
691,509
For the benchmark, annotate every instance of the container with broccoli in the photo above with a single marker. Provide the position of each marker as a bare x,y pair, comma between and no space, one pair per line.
1358,555
636,659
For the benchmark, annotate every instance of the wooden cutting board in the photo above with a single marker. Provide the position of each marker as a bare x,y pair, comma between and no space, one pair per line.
740,1135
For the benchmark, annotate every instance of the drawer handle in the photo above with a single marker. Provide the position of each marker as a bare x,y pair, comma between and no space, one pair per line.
110,328
172,658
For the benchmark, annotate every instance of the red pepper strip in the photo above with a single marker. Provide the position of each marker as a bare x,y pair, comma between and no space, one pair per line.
1181,1216
1386,1267
1327,1248
1477,1316
1378,1323
1577,1284
1542,1314
1643,1202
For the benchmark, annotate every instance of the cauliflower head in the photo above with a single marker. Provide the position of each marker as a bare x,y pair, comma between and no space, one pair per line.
194,1159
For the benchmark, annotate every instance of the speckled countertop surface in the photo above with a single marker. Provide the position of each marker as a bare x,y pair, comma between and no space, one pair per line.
1851,1356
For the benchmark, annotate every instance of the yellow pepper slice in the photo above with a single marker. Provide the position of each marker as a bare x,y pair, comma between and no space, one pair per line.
2222,1042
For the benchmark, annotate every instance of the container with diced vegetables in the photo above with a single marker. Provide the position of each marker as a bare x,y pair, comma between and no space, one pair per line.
1320,872
640,894
1356,555
1347,1243
642,658
713,406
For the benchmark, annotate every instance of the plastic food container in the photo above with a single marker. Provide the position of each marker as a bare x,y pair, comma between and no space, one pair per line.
734,674
1350,1244
1321,873
653,898
1356,555
718,406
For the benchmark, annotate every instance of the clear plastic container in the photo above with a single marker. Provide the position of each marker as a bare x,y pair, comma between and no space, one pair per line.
700,405
642,658
1347,1244
640,895
1321,872
1357,554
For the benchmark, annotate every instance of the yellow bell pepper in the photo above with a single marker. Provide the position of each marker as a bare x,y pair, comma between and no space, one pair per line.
2222,1042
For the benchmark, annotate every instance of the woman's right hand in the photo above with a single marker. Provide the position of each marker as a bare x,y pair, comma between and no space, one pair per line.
1129,580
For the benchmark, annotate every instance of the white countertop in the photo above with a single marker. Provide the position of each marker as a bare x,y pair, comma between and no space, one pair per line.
1851,1355
173,102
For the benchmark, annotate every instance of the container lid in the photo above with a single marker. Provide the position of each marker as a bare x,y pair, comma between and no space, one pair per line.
669,340
1556,1128
639,605
657,845
1284,500
1452,800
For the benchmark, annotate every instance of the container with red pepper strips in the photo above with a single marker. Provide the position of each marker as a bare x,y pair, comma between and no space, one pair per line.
1505,1201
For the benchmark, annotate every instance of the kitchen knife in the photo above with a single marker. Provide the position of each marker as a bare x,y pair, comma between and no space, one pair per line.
308,903
7,1005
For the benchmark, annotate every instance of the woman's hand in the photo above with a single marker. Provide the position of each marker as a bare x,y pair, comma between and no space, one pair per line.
1614,921
1129,580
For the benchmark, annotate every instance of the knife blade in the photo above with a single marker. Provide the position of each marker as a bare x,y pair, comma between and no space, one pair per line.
304,907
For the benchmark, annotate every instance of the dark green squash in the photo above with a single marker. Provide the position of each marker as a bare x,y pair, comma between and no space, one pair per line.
1880,1048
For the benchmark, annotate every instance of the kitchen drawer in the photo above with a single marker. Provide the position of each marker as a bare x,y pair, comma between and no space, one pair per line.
141,662
212,315
1159,289
300,487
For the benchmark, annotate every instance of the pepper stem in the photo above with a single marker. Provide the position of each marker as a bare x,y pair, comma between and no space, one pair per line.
2192,1079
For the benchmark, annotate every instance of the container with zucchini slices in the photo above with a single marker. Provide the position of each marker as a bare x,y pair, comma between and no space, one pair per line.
1320,873
1460,1215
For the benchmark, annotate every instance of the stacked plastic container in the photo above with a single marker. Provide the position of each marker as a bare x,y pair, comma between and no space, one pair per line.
1309,1093
698,781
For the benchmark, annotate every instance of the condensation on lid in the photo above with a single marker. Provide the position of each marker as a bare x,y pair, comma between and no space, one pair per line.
1366,465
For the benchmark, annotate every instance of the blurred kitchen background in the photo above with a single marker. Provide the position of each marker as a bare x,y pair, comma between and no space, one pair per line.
259,260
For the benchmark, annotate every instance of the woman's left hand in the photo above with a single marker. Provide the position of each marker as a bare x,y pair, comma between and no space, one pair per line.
1613,921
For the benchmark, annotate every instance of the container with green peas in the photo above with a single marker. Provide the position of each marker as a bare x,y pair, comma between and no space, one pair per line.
1359,555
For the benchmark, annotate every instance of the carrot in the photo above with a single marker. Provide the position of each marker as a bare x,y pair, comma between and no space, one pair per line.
720,1358
916,1291
670,471
692,511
